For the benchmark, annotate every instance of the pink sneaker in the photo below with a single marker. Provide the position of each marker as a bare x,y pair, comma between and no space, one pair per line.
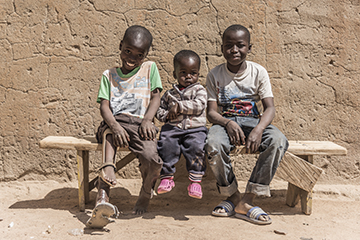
166,185
194,190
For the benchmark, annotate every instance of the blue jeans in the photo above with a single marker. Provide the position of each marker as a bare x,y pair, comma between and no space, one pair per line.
272,148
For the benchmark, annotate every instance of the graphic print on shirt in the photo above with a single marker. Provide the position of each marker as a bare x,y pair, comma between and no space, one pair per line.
233,102
130,95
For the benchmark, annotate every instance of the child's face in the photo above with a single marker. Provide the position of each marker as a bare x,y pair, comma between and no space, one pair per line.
133,53
187,71
235,47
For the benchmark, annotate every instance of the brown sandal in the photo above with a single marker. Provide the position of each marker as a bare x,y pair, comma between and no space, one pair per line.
102,174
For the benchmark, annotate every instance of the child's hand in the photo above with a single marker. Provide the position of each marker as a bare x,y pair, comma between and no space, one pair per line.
120,137
174,111
236,134
147,130
254,140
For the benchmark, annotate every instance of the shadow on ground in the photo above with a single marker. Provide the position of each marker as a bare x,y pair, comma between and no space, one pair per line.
176,204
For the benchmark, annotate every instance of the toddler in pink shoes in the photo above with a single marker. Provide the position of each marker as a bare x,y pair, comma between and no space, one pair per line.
182,108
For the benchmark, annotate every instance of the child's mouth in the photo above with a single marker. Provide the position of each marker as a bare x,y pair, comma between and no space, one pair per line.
130,64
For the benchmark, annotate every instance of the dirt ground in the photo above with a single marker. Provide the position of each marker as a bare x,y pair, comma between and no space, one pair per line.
49,210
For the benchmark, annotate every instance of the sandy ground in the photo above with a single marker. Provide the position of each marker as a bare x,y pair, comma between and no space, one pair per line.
49,210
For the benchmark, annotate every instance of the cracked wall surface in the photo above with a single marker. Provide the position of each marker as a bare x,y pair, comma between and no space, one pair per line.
53,54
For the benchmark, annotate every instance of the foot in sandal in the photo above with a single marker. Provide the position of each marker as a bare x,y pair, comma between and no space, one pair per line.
166,185
194,190
103,210
107,173
246,211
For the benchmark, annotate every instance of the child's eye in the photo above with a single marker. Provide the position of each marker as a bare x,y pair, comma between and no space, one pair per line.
141,55
127,51
194,73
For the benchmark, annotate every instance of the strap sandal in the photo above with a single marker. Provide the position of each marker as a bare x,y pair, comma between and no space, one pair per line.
228,206
166,185
194,190
253,216
103,176
101,214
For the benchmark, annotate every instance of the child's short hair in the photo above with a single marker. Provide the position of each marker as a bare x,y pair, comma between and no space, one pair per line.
137,30
237,27
185,53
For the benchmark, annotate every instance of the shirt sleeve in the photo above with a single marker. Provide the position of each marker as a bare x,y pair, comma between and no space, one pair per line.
210,87
155,79
264,85
163,111
104,90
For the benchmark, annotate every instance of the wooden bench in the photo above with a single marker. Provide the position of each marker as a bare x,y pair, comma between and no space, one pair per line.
296,167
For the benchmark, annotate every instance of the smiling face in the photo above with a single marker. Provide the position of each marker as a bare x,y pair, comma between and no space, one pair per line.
235,48
187,71
133,53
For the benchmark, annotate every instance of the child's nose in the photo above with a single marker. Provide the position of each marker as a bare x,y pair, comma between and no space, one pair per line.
234,49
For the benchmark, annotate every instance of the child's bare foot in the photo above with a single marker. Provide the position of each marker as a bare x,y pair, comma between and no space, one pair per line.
142,203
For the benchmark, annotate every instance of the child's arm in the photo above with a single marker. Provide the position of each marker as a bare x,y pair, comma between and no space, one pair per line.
194,106
163,111
236,134
147,129
254,138
120,136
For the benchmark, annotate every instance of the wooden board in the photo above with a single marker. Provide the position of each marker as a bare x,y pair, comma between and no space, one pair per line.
308,148
72,143
298,172
295,147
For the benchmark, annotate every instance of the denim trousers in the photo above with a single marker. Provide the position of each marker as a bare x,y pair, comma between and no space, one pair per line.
272,148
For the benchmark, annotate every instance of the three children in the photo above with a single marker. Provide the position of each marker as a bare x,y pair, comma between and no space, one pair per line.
129,99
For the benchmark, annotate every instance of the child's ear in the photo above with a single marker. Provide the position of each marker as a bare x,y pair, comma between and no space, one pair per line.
120,46
174,74
250,48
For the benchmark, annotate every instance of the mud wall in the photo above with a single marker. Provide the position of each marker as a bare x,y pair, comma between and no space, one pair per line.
53,54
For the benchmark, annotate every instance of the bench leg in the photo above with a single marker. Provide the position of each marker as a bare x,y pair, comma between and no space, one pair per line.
83,178
294,194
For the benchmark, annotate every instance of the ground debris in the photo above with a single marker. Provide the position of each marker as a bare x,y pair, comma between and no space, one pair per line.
48,230
281,232
76,232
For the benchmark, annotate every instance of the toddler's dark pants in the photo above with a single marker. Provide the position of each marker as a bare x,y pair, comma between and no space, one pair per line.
190,142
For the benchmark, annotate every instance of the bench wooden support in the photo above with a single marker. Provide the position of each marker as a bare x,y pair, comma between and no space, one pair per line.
294,193
82,158
296,167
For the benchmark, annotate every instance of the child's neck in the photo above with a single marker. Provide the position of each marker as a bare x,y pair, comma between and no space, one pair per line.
237,68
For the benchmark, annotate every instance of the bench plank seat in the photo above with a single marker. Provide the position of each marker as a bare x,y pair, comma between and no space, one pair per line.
296,167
